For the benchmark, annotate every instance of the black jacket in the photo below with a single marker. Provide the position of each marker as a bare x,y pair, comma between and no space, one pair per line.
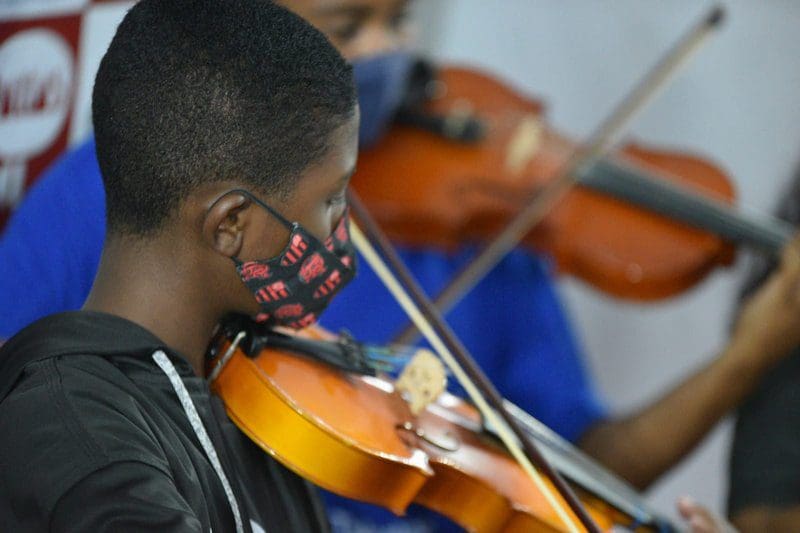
765,456
93,437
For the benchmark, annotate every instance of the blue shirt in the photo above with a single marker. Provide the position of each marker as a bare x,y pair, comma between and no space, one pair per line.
50,248
512,322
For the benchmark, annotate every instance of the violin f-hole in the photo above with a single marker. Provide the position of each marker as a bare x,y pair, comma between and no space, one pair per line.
446,442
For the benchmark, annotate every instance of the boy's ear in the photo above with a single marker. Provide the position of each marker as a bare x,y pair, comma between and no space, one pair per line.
224,223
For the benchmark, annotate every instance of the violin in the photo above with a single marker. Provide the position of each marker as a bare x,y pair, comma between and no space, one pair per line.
311,401
467,152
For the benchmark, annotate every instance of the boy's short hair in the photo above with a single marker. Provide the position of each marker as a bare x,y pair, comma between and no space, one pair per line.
199,91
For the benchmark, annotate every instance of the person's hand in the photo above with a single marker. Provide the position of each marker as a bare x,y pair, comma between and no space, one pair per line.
768,326
701,520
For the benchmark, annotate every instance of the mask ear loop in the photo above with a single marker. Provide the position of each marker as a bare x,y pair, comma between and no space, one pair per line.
289,225
255,199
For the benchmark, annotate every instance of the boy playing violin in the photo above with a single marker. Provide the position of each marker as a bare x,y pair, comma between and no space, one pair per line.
224,130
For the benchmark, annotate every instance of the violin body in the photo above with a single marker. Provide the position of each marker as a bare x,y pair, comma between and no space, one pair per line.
478,485
334,429
355,436
427,190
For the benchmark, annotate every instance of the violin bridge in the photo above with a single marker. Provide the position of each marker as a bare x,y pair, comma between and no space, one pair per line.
422,381
524,144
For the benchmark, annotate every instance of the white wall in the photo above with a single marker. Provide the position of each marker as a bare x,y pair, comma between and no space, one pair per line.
737,103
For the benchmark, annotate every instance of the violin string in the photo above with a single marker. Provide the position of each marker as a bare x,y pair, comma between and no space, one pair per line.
597,146
413,311
620,179
392,358
388,359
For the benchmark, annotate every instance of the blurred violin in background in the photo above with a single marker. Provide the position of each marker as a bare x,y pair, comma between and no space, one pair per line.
467,152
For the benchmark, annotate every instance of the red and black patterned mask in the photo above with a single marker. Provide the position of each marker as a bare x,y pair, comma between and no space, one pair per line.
294,287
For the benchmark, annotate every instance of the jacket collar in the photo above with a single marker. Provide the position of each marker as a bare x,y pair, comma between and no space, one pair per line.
79,333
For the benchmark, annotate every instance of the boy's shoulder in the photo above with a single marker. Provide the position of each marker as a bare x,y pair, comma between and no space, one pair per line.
65,419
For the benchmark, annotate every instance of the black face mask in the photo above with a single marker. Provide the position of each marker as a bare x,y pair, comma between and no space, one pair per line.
294,287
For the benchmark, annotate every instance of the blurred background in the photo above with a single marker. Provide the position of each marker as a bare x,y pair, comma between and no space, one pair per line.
737,103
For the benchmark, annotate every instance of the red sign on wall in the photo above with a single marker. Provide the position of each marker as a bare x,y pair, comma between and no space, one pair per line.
38,62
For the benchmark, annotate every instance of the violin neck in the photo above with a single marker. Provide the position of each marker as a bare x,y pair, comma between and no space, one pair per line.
629,184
